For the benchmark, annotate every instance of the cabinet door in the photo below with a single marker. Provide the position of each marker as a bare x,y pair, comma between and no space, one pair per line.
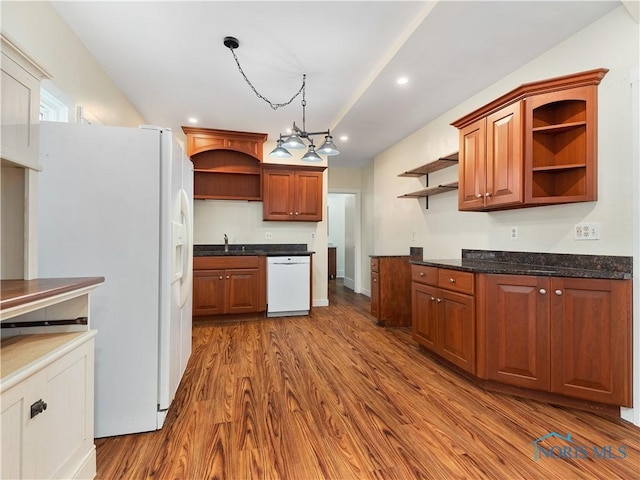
20,110
375,294
12,444
504,157
425,315
208,292
308,196
591,339
456,329
242,290
517,330
277,194
471,168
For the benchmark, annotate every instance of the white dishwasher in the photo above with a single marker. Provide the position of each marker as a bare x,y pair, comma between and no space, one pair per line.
288,286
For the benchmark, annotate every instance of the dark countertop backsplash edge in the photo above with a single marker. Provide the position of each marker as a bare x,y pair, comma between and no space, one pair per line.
535,263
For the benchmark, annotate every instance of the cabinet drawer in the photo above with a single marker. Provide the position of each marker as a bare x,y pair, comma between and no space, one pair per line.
375,265
456,280
222,262
422,274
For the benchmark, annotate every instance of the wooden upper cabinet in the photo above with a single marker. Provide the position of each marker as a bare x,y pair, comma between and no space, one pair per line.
226,163
536,145
205,139
292,193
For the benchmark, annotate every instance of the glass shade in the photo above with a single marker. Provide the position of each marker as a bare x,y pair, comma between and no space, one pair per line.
294,142
328,147
280,151
311,155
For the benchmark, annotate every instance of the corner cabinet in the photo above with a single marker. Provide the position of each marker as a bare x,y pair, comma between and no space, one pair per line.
536,145
226,164
292,193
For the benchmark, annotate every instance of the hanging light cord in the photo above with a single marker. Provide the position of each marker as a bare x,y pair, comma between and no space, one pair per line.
275,106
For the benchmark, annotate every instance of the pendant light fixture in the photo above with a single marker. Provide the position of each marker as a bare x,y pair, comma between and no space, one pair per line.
296,139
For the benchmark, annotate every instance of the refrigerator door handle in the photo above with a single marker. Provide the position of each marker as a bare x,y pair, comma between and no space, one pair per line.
187,267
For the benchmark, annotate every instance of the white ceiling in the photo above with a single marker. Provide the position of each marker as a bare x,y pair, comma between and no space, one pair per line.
169,60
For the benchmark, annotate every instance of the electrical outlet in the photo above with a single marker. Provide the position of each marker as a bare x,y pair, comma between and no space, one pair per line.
268,235
313,235
514,233
587,231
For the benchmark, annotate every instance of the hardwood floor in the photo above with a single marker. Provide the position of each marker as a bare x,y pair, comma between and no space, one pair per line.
333,396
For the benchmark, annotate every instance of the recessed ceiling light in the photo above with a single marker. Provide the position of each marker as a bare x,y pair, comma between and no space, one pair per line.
402,80
193,120
344,138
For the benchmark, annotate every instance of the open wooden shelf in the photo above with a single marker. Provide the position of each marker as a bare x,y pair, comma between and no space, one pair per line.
439,164
442,162
427,192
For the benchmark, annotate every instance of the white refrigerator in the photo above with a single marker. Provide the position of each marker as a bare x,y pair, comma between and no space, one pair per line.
117,202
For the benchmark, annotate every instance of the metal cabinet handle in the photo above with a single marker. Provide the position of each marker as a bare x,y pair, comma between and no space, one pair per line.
479,195
558,292
452,280
221,277
297,213
487,194
542,291
227,277
433,298
439,300
37,408
375,279
290,213
422,274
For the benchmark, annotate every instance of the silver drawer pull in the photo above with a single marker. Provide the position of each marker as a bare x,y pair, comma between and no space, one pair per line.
433,298
220,277
452,280
479,195
542,291
422,274
487,194
439,300
558,292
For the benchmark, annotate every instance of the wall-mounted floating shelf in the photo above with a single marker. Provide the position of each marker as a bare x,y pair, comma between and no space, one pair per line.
439,164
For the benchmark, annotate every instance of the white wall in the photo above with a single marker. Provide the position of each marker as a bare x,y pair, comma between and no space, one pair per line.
350,235
37,29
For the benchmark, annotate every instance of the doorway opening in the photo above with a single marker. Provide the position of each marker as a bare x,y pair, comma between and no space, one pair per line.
343,234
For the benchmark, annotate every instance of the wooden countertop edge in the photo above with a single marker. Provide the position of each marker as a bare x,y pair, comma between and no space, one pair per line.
15,293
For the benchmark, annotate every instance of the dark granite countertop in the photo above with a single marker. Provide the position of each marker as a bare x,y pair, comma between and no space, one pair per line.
537,264
249,249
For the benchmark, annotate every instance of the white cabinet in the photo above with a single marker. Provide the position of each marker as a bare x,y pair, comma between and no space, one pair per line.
47,379
20,82
56,442
19,118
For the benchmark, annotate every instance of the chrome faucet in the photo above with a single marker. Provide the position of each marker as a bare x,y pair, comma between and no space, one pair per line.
226,243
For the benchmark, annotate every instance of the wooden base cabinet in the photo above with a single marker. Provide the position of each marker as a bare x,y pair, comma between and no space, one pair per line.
229,284
569,336
391,290
444,314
